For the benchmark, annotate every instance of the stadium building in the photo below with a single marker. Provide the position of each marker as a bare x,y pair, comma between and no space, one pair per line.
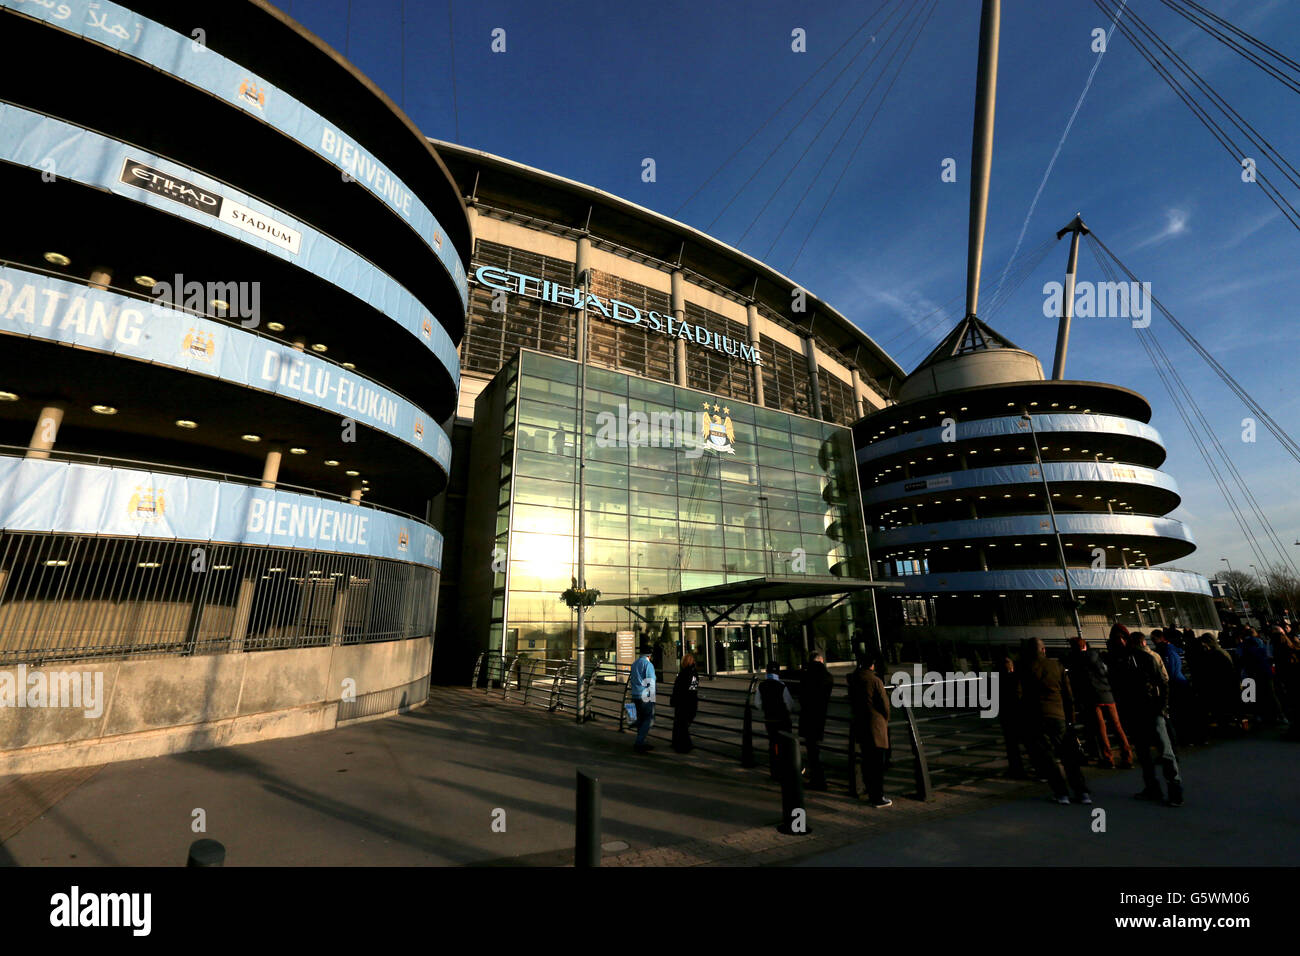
232,287
738,550
957,478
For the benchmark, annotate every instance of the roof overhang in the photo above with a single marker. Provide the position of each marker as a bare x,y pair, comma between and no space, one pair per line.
771,587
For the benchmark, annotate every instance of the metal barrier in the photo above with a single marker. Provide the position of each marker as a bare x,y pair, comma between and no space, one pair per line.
951,745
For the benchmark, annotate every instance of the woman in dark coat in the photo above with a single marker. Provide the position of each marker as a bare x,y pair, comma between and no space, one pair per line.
685,703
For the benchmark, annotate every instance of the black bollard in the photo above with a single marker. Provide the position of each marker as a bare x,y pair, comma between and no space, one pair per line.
794,810
206,853
586,844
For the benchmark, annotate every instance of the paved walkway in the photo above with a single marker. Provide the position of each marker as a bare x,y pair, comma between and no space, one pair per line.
424,788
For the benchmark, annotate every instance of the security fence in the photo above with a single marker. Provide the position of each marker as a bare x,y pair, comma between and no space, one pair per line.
69,597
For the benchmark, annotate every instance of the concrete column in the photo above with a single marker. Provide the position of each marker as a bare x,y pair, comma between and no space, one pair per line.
299,343
984,559
751,310
271,467
859,394
243,610
101,277
581,261
471,214
355,496
340,606
678,306
46,431
815,387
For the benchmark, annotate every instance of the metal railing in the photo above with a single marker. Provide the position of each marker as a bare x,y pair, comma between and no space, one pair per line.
66,597
949,745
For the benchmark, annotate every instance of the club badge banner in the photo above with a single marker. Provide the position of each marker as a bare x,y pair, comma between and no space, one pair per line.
71,498
60,311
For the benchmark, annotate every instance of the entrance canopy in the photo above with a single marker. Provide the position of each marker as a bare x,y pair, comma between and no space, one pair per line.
718,602
770,587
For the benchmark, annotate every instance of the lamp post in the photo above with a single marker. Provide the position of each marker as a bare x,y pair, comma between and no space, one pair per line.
1263,585
580,645
1240,603
1051,511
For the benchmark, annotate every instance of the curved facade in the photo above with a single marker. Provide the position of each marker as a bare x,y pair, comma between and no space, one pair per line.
955,480
231,304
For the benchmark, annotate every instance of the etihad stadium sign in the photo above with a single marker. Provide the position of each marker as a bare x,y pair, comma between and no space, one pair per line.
615,310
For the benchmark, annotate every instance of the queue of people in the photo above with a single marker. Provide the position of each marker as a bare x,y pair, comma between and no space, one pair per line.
777,707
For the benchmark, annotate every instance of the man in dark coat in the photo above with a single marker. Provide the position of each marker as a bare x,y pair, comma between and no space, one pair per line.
1142,685
814,699
1049,714
773,698
869,732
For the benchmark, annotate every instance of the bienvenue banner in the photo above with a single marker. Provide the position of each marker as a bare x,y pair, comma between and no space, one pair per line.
57,496
1108,425
35,140
187,59
60,311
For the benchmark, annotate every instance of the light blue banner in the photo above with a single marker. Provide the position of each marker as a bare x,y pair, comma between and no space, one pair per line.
1081,579
60,311
1086,471
1101,425
35,140
971,528
71,498
189,60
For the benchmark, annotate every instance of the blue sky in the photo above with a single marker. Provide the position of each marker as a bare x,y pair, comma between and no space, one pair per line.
588,90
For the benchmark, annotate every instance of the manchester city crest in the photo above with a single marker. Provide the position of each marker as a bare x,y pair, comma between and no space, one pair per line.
717,431
146,504
199,346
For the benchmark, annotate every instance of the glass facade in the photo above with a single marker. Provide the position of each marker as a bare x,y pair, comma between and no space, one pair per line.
664,512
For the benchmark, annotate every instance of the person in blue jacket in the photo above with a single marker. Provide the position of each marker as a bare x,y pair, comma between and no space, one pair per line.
641,692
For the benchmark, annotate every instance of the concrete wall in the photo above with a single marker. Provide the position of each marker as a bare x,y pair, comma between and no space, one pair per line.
172,704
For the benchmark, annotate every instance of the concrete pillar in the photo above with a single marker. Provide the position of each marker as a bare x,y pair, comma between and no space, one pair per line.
299,343
46,431
355,496
581,261
101,277
984,559
859,394
471,214
678,306
815,386
271,467
339,608
751,311
243,610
